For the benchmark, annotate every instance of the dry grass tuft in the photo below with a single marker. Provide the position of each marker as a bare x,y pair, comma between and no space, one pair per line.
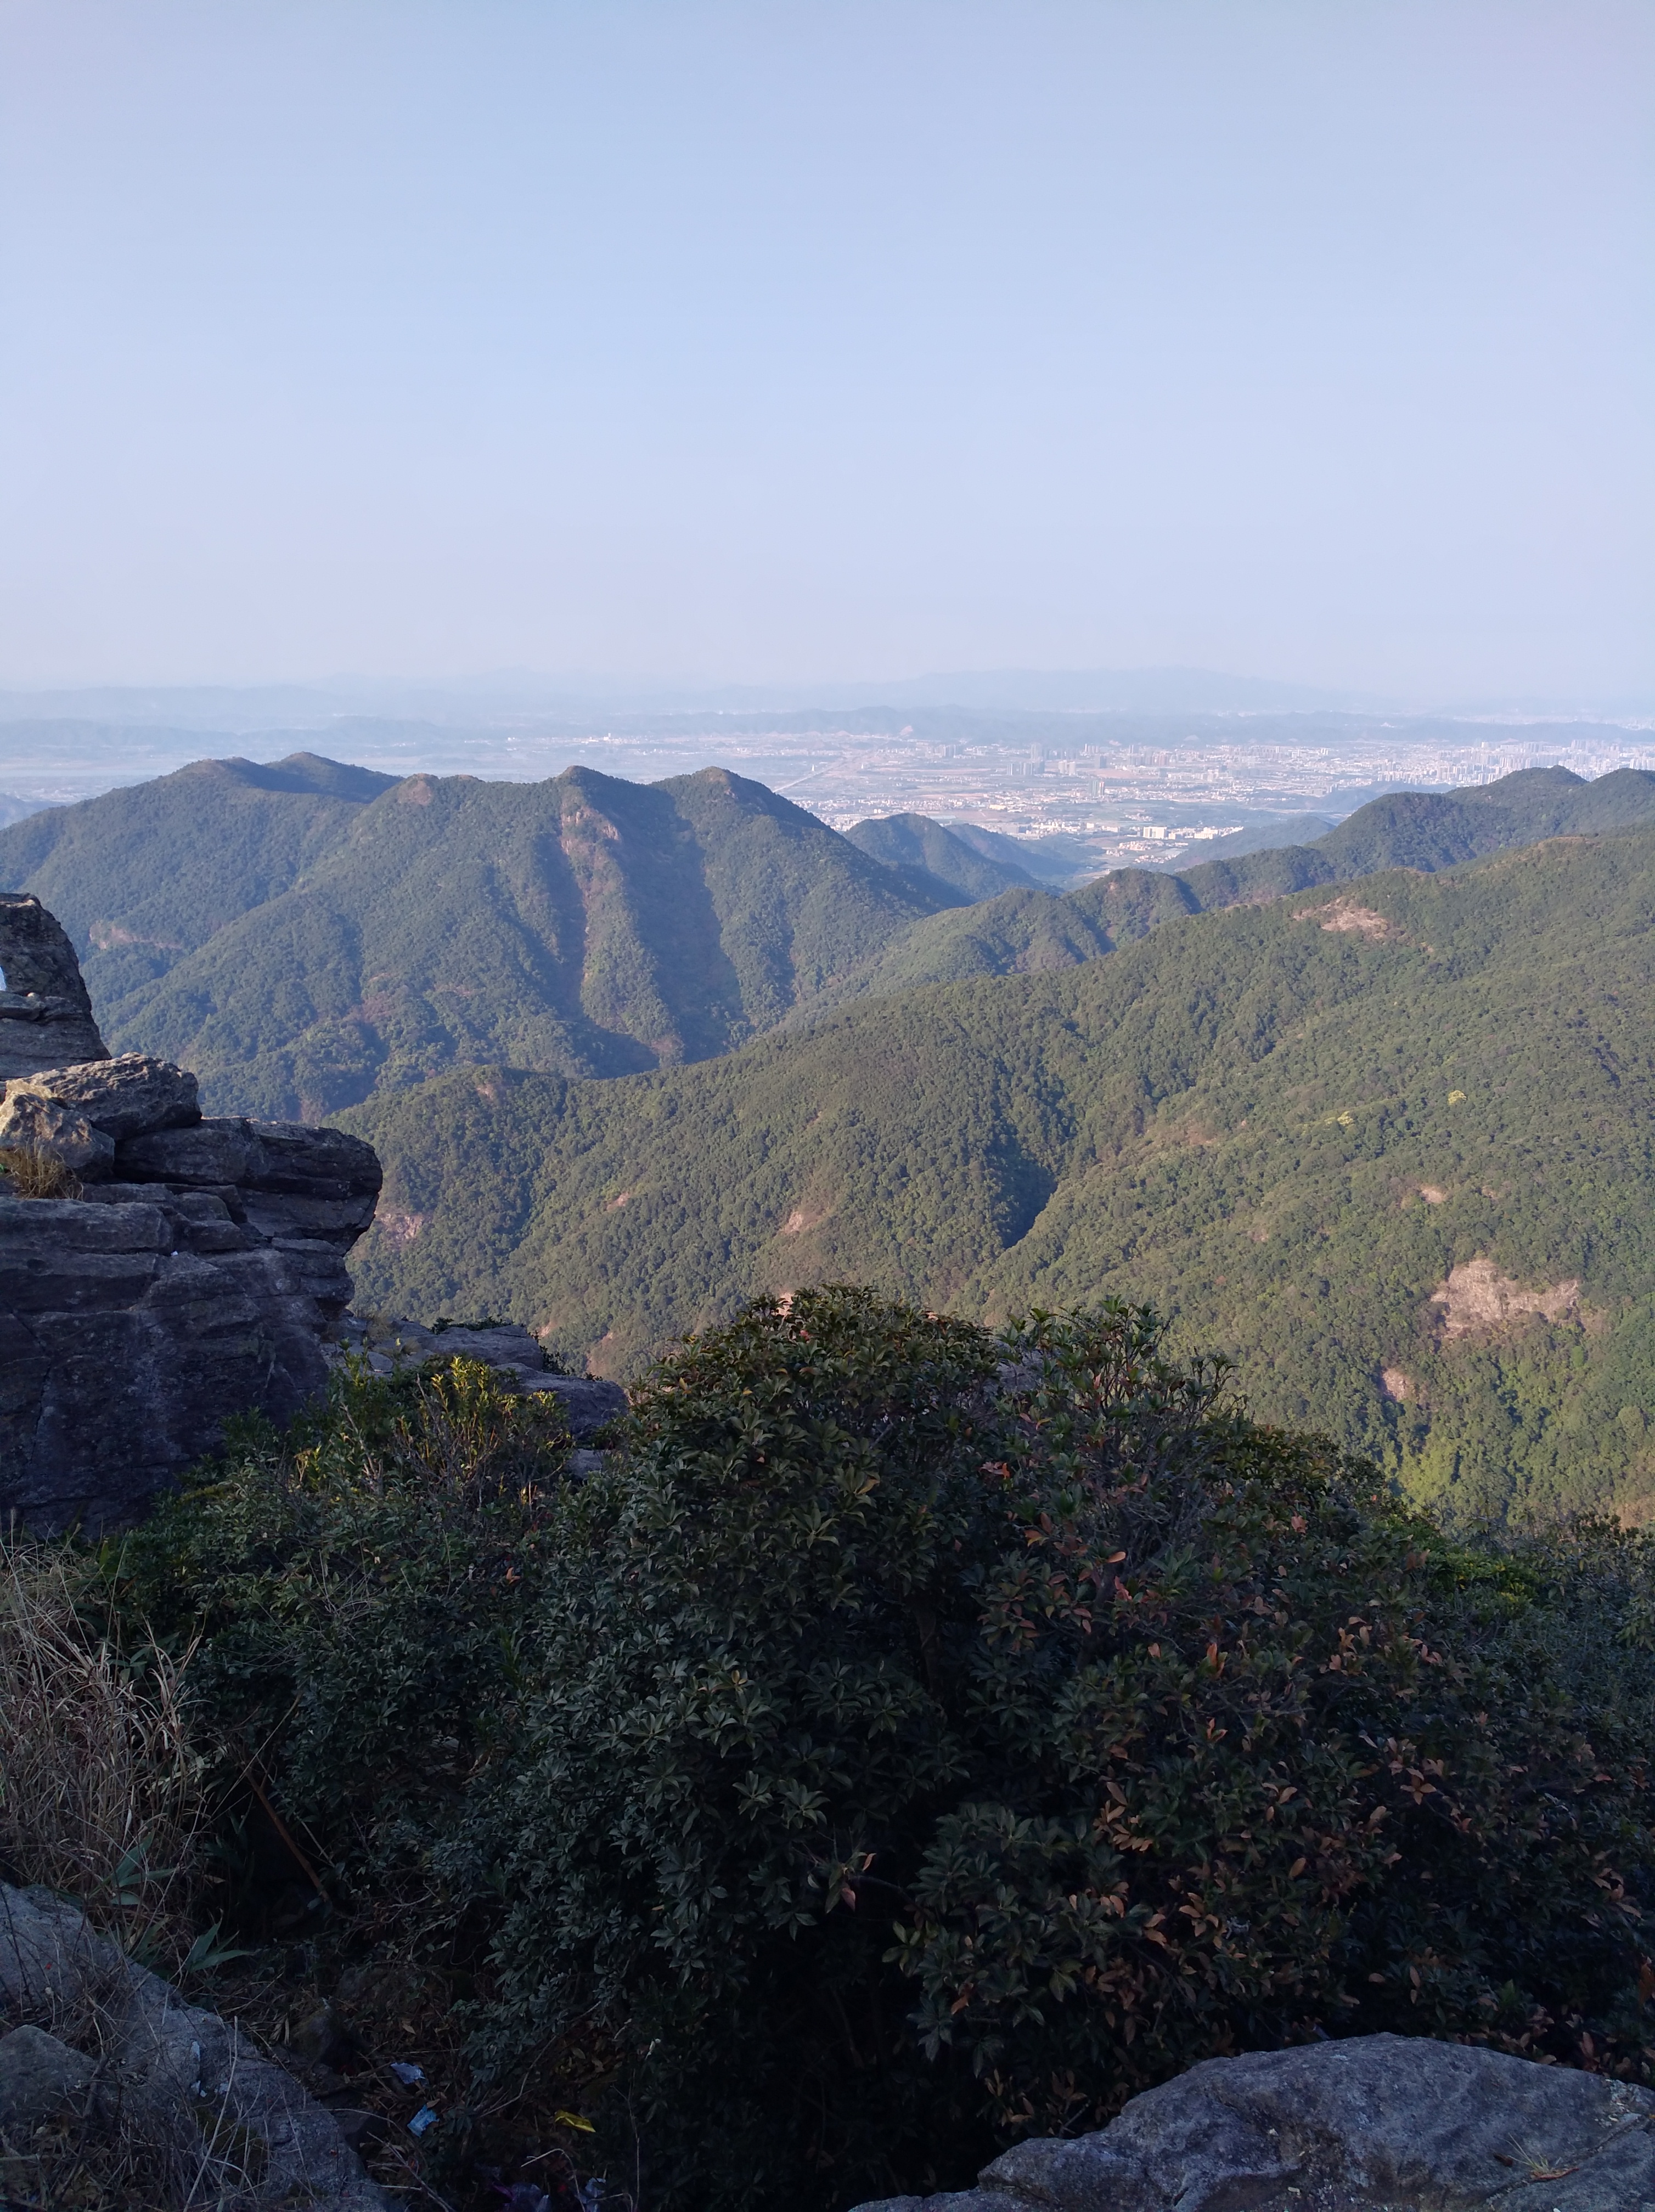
100,1800
32,1174
101,1789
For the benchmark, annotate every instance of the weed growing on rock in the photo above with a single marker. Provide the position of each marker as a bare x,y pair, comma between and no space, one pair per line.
31,1173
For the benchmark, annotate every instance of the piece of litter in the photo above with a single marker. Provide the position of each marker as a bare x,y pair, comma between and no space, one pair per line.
425,2118
407,2074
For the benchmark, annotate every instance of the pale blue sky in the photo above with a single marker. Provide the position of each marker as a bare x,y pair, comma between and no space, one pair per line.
760,340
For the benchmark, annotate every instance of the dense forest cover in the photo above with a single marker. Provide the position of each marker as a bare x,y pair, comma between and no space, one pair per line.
914,840
300,936
1388,1150
307,934
1407,830
913,1738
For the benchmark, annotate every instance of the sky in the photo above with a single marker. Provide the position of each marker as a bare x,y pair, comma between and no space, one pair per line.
796,339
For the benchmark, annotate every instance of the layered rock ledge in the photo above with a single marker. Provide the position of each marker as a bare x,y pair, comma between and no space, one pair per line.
199,1274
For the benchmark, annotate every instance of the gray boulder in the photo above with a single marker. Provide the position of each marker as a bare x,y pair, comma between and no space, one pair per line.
161,2065
125,1097
77,1114
1378,2121
132,1327
46,1015
31,1120
39,2077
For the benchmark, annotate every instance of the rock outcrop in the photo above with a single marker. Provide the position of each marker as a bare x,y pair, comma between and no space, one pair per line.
120,2053
202,1277
589,1404
46,1015
1393,2124
199,1274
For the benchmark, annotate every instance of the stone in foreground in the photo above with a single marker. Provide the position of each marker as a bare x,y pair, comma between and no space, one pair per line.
123,1097
1384,2122
39,2077
133,2057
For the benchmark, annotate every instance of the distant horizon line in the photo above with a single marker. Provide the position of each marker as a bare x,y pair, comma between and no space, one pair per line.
1163,688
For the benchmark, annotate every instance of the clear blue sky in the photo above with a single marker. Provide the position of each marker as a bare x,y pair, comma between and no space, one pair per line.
762,340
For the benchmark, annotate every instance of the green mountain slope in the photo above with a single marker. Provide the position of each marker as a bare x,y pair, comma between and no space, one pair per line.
1393,1151
1426,830
586,924
915,840
142,876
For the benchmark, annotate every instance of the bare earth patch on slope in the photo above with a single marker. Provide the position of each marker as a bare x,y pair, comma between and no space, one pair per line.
1477,1297
1348,916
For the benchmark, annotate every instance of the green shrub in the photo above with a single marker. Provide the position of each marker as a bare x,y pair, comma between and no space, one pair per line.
355,1597
919,1737
923,1754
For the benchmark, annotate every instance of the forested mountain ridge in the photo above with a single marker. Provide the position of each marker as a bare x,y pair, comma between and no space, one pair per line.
298,955
1389,1148
1427,830
305,933
950,862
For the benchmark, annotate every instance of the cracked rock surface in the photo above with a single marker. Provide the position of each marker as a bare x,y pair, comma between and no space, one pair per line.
200,1274
1382,2123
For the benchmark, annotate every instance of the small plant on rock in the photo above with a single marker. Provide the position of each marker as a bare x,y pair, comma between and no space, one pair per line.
31,1173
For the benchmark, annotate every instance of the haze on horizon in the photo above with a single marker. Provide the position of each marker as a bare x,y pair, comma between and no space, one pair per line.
718,340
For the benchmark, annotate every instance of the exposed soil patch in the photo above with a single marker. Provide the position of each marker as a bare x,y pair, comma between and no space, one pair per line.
1346,915
398,1226
1431,1195
110,936
1396,1386
1477,1296
803,1218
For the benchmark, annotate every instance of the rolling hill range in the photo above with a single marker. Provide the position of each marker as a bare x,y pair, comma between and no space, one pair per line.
1427,830
301,934
307,933
1390,1148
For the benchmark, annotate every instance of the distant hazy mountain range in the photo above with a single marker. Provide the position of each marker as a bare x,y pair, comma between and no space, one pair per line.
305,934
1026,928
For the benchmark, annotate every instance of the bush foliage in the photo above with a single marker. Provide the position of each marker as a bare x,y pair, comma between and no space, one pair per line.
919,1737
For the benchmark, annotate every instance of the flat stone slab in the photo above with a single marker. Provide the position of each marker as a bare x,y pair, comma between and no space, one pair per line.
128,1097
1376,2124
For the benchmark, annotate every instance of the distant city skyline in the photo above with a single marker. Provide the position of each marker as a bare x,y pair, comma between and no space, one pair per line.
731,344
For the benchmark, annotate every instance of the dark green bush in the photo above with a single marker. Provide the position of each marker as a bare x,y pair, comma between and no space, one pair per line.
925,1751
357,1597
920,1737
